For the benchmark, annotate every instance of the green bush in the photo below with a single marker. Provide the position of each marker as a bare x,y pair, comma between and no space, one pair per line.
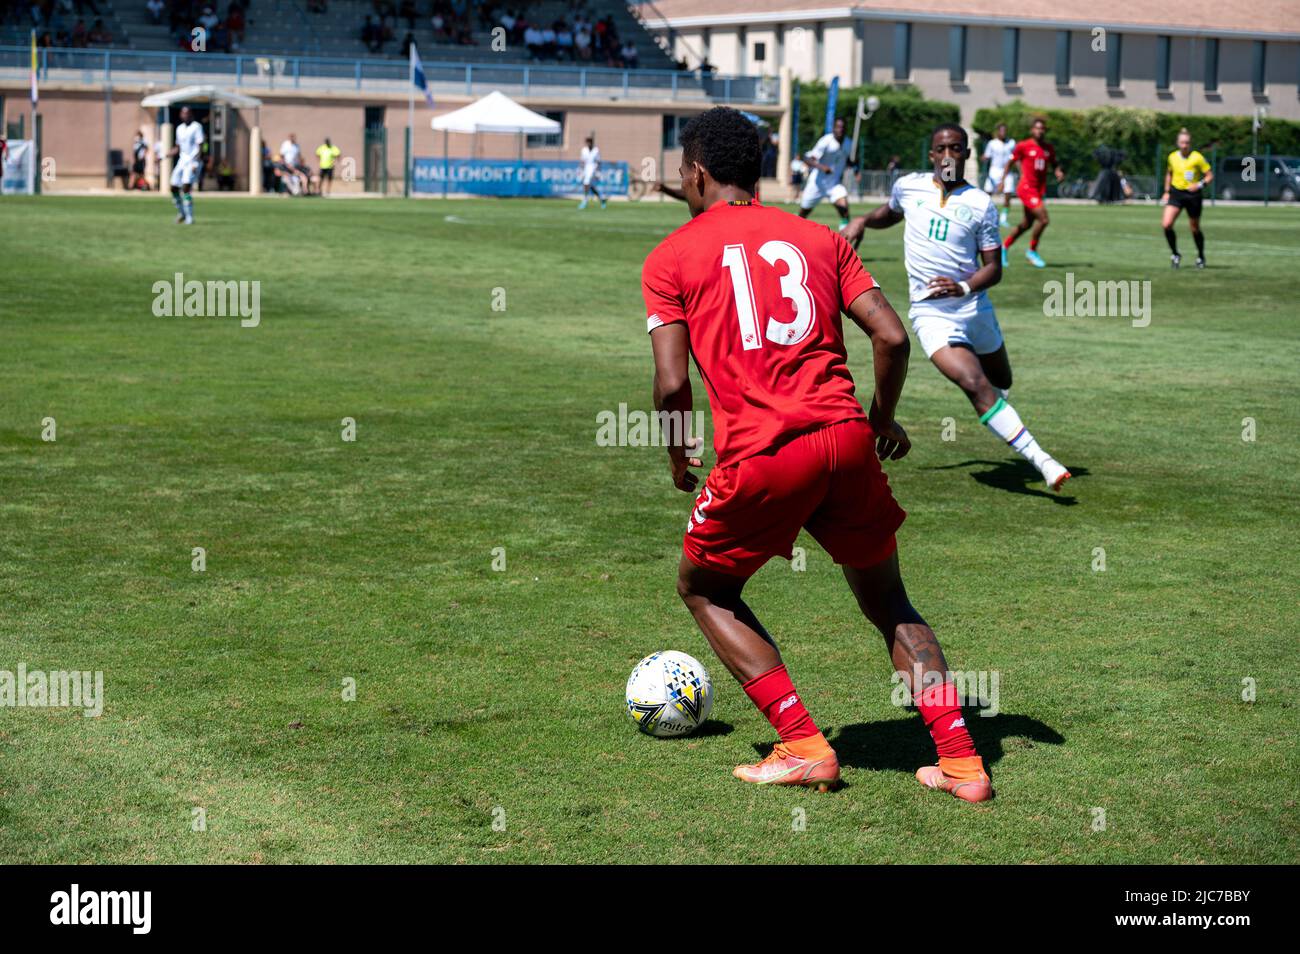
1147,136
899,128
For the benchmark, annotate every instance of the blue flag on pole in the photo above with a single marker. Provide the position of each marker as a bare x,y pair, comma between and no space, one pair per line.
417,75
832,101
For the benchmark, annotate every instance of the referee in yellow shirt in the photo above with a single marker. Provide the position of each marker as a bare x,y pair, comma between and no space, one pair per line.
1186,176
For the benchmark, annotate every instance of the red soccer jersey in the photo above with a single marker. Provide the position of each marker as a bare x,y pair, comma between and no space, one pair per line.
761,292
1035,159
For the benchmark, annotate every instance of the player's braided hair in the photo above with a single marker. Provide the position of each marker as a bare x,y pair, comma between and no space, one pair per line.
725,143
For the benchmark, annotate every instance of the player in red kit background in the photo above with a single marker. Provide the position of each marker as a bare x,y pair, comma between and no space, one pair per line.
1035,156
755,296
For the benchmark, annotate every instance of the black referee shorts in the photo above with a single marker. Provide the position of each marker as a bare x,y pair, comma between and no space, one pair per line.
1190,202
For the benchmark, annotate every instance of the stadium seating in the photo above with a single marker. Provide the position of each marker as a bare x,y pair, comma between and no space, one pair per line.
287,28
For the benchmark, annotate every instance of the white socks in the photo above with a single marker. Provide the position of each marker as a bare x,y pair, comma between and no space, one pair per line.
1003,421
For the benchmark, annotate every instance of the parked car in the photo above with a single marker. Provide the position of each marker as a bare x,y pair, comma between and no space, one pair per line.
1247,177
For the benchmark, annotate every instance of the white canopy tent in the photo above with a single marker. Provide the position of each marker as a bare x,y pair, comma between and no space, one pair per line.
494,113
214,95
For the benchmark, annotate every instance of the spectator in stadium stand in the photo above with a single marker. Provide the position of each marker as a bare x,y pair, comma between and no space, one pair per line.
533,42
208,20
235,21
156,9
630,55
564,42
372,36
582,44
408,12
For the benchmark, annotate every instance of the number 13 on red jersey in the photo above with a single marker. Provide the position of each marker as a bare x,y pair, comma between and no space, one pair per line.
794,289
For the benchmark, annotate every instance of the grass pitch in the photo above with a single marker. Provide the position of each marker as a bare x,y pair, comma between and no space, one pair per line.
488,723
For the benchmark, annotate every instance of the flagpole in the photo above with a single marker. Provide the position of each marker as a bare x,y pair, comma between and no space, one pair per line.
36,145
410,120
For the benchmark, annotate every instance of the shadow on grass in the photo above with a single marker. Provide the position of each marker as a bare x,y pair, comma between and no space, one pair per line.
1017,477
903,745
712,727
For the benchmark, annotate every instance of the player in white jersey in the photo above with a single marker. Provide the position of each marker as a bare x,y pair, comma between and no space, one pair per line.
953,255
827,160
998,155
590,160
188,156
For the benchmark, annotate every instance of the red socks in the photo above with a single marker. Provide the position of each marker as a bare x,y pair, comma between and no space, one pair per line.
941,713
1033,245
1006,242
774,695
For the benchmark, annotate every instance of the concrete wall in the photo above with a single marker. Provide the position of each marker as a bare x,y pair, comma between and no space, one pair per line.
74,131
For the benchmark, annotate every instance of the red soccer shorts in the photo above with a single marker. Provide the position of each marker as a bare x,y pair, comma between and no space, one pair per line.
1029,198
827,481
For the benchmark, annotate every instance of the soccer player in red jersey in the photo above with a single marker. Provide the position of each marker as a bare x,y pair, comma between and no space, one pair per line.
1035,156
755,296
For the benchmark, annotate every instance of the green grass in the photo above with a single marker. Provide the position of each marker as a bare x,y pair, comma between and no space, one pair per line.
479,690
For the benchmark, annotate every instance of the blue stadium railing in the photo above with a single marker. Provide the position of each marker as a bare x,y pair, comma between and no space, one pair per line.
266,71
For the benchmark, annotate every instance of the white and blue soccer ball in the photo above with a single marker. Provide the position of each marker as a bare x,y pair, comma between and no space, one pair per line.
669,694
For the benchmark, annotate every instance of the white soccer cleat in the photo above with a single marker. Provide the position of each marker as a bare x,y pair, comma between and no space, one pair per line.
1055,474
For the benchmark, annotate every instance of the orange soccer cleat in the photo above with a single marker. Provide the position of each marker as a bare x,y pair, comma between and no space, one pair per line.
960,778
819,769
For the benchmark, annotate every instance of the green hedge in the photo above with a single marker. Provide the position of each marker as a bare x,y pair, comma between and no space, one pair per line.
899,128
1146,135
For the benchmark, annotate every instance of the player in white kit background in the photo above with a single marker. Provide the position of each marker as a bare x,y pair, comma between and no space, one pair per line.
187,153
952,251
998,155
827,160
589,159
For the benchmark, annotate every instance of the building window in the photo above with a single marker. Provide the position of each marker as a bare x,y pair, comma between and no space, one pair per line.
1163,44
542,140
957,54
1011,56
1062,57
1211,65
902,51
1114,61
760,52
1258,67
673,126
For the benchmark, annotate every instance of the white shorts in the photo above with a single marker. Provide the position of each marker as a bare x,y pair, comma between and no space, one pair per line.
936,327
991,183
185,173
814,193
588,176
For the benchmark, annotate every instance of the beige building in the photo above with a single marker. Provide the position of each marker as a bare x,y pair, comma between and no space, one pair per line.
1192,56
